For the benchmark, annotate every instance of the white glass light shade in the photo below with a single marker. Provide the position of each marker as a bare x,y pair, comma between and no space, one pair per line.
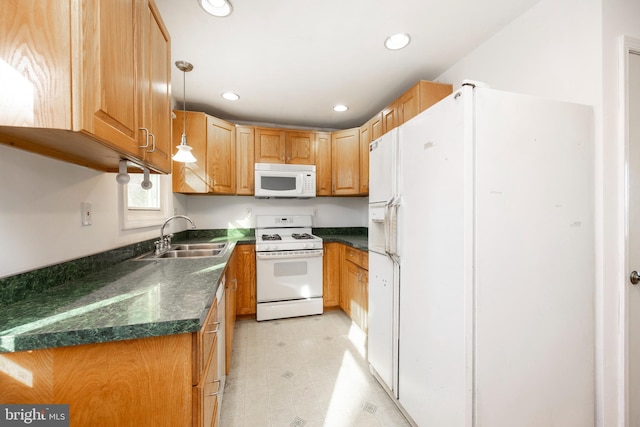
184,154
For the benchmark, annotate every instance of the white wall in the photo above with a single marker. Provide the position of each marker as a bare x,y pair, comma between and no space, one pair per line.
240,211
40,222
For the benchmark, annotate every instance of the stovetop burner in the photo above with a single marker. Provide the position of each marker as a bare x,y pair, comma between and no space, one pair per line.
302,236
271,237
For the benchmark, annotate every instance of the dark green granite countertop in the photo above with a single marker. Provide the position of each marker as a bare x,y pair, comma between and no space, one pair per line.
125,299
132,299
358,241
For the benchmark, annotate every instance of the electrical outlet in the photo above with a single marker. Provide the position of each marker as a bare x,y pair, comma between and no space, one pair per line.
86,213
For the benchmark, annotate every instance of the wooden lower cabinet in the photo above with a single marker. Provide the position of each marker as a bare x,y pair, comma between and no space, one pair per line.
168,380
354,286
331,274
246,286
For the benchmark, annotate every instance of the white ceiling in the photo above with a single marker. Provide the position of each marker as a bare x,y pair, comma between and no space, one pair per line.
291,61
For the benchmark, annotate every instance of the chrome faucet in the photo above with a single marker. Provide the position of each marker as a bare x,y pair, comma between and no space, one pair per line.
165,241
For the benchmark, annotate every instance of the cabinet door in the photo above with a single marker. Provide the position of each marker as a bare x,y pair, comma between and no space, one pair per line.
365,139
269,145
35,80
246,294
408,105
349,289
323,163
345,162
389,119
110,79
245,160
155,65
299,148
221,156
331,274
191,177
376,126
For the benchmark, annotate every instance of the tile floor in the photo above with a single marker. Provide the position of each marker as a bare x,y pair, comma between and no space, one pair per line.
306,371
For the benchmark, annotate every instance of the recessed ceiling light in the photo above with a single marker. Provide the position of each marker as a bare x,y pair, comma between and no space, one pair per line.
216,7
340,108
397,41
230,96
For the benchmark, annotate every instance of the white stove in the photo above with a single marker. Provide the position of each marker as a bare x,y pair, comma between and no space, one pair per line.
288,267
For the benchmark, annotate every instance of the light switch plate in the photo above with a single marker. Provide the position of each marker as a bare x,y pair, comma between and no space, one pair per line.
86,213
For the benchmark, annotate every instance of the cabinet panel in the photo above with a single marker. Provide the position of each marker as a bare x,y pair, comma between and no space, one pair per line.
389,119
323,163
221,156
245,160
269,145
246,294
34,50
299,148
345,162
142,382
331,274
110,78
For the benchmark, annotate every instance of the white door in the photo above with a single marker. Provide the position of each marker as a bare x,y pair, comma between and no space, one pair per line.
633,292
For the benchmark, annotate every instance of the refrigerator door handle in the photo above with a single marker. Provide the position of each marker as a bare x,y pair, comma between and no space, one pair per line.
392,234
387,226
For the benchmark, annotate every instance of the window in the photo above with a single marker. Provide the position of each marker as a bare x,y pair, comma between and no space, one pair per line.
144,208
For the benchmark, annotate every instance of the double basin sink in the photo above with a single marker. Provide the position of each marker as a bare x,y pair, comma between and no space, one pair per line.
188,250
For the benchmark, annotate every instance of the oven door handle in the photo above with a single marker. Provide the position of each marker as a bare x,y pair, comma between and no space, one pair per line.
278,255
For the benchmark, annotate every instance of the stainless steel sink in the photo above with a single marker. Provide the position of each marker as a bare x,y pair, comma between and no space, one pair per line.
192,246
188,250
191,253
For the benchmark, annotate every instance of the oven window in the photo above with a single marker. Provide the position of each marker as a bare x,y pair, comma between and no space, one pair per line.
295,268
278,183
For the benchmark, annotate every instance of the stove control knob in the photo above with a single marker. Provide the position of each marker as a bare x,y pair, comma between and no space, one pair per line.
273,247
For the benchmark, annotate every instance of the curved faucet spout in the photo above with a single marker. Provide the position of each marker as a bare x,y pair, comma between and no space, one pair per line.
165,245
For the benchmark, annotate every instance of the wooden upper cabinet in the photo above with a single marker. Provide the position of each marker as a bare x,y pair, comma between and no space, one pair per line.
191,177
418,98
269,145
345,162
213,143
245,158
221,156
323,163
102,72
375,125
299,147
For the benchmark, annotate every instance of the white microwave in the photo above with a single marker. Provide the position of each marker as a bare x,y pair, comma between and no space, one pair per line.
287,181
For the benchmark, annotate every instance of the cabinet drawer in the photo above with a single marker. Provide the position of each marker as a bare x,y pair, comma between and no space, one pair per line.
205,342
357,257
205,394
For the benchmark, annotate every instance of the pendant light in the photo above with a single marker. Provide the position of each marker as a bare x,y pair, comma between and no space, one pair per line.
184,151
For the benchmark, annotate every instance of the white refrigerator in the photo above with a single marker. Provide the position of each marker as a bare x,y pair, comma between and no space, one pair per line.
492,229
